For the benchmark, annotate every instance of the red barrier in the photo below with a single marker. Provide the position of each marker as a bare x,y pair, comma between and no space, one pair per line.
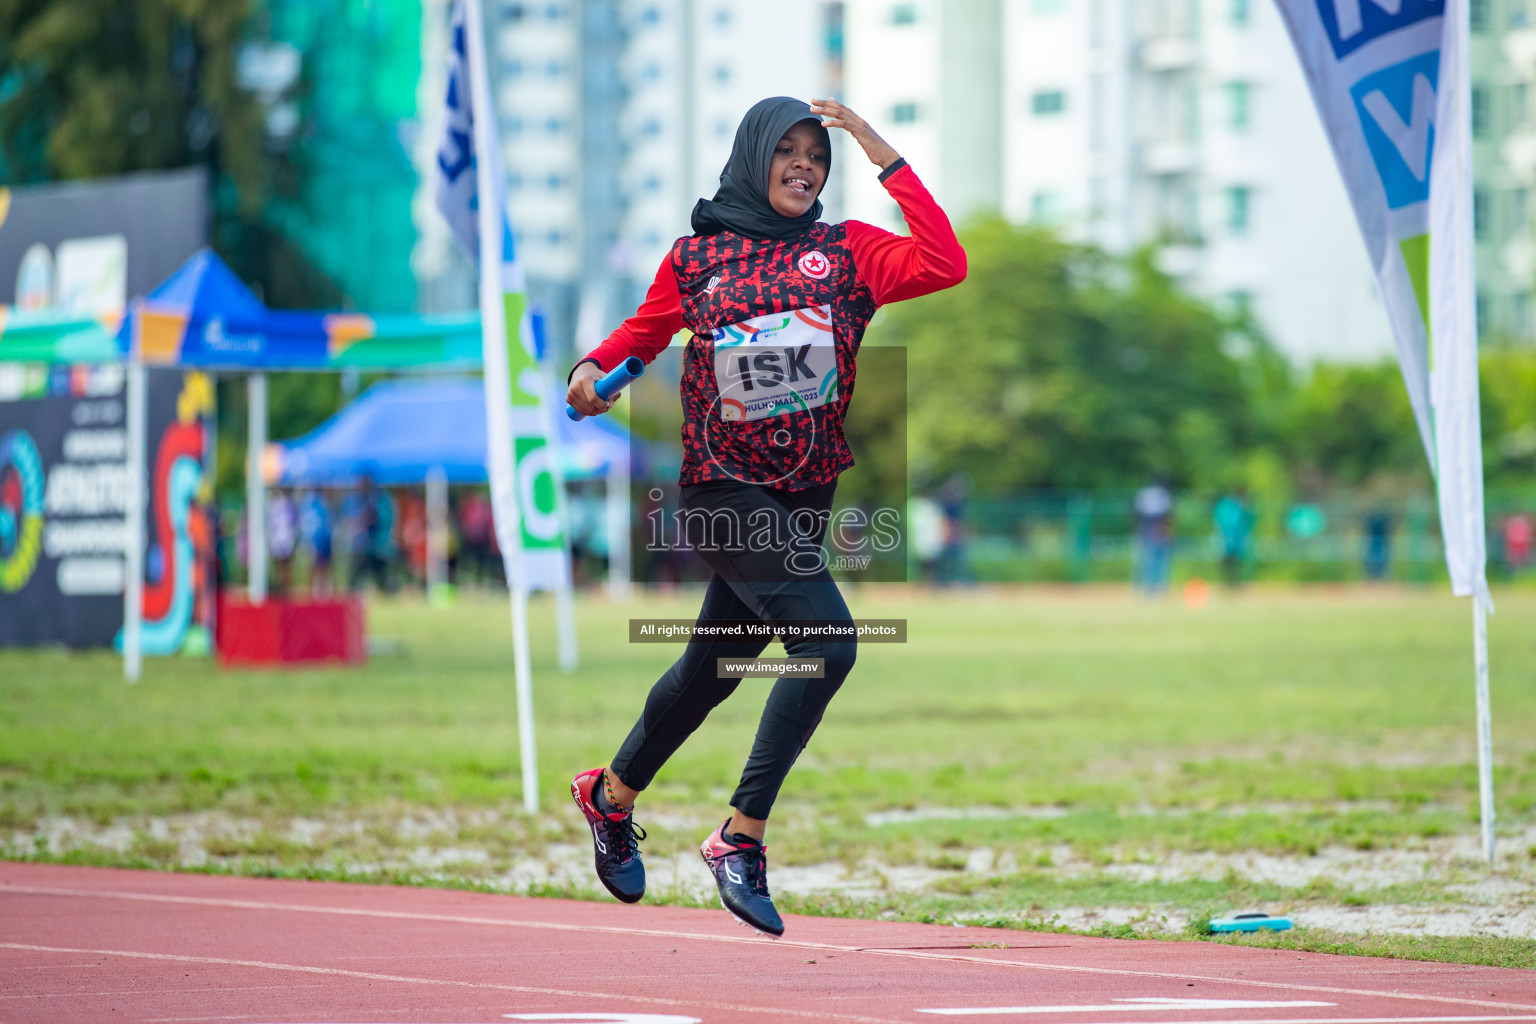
287,632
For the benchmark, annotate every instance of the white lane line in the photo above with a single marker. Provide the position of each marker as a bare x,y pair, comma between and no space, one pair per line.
75,993
403,915
1150,1003
449,982
1002,1010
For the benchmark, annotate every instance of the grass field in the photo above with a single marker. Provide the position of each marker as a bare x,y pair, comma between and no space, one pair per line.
1065,758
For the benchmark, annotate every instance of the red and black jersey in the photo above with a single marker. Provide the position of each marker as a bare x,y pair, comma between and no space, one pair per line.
770,369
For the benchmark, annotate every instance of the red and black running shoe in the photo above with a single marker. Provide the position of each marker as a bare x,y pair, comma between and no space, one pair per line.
615,841
741,872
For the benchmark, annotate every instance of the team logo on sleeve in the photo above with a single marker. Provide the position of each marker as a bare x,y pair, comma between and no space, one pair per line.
815,266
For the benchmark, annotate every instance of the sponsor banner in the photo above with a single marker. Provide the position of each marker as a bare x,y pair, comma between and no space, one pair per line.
85,248
63,506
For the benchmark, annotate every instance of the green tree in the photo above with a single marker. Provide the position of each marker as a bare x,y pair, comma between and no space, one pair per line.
1056,365
1351,422
98,87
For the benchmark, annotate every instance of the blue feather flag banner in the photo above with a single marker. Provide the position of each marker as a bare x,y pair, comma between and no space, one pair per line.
469,190
1391,81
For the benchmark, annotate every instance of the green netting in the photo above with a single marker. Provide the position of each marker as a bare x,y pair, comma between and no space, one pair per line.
352,217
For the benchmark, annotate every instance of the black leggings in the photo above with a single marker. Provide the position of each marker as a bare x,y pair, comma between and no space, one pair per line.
733,527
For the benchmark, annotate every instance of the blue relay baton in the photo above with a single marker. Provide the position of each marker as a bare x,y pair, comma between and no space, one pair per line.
611,383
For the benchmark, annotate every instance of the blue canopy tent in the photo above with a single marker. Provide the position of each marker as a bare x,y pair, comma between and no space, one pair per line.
410,432
398,431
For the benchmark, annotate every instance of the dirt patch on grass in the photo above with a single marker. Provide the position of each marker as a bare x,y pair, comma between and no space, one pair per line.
1438,886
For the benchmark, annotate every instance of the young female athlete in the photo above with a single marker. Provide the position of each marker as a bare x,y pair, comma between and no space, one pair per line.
777,303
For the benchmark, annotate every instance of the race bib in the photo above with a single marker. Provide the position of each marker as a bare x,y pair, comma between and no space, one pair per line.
776,364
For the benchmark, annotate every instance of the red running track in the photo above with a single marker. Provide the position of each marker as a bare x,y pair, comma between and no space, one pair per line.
90,944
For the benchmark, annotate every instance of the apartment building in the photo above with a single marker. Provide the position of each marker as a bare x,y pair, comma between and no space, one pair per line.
1122,122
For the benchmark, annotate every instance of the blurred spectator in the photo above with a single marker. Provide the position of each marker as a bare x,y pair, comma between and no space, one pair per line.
1153,509
954,567
1378,544
1305,521
282,538
1519,535
1234,527
371,525
315,530
926,521
477,528
413,533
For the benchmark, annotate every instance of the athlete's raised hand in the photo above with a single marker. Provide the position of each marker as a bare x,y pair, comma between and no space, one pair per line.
834,115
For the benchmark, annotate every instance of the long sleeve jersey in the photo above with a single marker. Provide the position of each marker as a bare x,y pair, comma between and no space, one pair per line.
770,369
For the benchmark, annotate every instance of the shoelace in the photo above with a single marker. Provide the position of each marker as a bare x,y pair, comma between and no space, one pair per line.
624,837
754,868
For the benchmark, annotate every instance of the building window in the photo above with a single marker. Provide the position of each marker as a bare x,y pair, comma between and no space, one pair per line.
722,17
904,113
1519,106
1238,94
1519,208
651,15
650,128
1239,210
1519,14
514,180
514,125
904,14
554,12
1239,12
651,184
1047,7
1045,206
1480,112
512,12
650,73
1480,214
554,182
1048,102
722,74
1477,14
554,69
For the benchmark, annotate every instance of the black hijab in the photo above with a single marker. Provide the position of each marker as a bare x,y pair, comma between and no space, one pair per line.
741,205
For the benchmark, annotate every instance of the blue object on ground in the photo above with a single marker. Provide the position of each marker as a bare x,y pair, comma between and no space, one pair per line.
1250,921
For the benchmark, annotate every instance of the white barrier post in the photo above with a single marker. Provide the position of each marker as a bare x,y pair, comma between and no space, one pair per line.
437,532
1484,723
256,487
133,525
620,564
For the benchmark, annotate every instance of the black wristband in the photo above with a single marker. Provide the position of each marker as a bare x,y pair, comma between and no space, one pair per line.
901,162
588,359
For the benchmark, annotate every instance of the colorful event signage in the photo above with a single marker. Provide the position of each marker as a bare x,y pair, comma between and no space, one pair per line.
1391,81
44,336
524,489
63,503
205,316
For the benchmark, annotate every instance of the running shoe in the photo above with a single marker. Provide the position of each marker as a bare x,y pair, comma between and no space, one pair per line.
615,841
741,872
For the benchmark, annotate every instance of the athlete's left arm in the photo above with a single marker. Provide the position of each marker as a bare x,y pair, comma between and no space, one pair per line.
897,268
